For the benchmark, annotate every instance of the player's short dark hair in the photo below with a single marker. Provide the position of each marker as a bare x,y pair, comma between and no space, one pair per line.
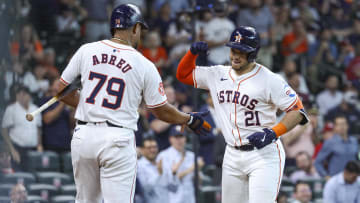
148,139
352,167
339,115
303,153
300,182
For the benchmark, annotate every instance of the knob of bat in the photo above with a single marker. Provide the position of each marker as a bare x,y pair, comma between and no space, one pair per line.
29,117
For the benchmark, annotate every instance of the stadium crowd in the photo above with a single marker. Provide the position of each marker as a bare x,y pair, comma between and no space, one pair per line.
314,45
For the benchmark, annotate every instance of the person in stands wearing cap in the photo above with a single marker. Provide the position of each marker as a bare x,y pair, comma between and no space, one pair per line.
20,135
177,164
344,187
338,150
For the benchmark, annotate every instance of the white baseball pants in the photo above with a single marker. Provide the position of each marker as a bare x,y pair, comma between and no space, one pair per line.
104,161
252,176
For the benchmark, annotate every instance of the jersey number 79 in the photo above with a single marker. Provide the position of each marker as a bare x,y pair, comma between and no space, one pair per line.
109,89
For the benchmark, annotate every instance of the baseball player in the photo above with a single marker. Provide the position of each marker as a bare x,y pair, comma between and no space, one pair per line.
115,78
246,96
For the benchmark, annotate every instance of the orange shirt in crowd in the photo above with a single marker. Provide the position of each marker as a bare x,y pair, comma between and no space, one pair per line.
160,54
288,40
15,47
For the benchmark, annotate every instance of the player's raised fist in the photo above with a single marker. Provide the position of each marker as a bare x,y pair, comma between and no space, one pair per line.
261,139
198,124
199,47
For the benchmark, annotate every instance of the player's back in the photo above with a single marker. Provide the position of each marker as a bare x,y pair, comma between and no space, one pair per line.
113,80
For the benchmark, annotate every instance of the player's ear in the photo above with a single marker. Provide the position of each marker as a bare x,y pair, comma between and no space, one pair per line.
136,28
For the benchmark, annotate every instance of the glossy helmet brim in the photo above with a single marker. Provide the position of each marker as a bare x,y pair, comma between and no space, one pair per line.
241,47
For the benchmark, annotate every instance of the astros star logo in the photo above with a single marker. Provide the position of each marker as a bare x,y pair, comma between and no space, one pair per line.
117,22
238,37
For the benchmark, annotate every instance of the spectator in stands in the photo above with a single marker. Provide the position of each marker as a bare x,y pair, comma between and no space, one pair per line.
330,97
178,37
150,173
163,19
207,142
28,47
338,150
322,54
282,24
5,161
97,23
178,167
19,134
67,20
217,32
354,36
305,12
327,133
337,20
18,194
154,51
282,198
58,120
36,82
175,6
295,43
294,80
353,69
344,187
13,77
301,138
348,107
289,67
52,71
305,169
259,16
302,193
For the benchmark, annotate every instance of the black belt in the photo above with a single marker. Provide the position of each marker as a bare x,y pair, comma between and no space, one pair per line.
246,147
107,122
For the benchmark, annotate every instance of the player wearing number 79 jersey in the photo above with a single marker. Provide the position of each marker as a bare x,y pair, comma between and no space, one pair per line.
246,97
115,78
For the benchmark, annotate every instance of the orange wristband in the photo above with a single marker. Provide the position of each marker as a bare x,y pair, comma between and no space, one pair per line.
279,129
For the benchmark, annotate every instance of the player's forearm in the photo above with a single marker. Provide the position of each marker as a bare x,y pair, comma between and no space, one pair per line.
72,99
185,68
290,120
170,114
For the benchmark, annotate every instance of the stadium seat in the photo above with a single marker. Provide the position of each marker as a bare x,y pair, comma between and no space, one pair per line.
5,189
63,199
43,161
19,177
66,162
207,194
209,170
4,199
53,178
36,199
286,182
288,190
45,191
68,190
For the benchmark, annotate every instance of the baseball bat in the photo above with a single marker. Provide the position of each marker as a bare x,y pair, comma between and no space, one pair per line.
73,86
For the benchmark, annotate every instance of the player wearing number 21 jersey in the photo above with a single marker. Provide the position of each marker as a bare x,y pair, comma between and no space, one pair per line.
246,96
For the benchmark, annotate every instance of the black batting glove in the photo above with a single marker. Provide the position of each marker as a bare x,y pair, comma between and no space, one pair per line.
261,139
198,124
199,48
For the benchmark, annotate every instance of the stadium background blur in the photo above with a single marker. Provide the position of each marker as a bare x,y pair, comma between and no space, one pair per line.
314,45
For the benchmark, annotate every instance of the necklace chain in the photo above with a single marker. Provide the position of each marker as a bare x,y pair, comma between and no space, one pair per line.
121,40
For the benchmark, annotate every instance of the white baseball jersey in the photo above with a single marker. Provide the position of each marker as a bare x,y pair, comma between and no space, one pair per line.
246,103
114,79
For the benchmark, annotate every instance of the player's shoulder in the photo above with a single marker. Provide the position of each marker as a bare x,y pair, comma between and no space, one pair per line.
216,68
267,74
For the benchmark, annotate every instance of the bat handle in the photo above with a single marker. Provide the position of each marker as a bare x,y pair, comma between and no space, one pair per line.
30,116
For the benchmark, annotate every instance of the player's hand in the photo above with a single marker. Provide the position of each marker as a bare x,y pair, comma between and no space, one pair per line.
199,48
198,124
261,139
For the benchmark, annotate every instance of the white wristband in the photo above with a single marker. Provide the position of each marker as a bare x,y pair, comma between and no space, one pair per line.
191,120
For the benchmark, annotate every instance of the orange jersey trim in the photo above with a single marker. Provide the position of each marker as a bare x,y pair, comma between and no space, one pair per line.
156,105
297,106
279,181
